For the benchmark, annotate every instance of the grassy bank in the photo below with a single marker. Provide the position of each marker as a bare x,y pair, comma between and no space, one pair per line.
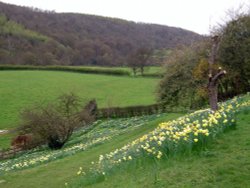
55,173
225,163
148,161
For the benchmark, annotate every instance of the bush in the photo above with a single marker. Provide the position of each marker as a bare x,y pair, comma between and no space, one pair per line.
55,123
234,54
181,85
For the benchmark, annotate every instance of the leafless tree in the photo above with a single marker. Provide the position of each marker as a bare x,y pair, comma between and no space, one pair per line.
214,75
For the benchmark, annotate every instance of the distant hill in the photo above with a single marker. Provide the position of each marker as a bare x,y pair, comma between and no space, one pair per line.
43,37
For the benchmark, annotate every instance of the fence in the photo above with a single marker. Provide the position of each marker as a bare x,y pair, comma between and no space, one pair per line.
9,153
117,112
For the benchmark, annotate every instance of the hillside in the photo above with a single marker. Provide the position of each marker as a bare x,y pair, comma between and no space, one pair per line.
79,39
19,45
209,163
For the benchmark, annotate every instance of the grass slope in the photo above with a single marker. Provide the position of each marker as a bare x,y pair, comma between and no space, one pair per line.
20,89
225,163
56,173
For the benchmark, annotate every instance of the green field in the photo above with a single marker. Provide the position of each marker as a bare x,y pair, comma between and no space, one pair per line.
21,89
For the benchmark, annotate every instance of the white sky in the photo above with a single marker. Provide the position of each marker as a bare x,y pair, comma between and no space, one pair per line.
194,15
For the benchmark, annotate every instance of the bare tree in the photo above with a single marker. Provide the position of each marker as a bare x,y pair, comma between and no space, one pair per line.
214,75
140,59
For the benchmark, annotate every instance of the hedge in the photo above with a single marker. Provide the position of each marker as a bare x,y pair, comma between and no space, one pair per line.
106,71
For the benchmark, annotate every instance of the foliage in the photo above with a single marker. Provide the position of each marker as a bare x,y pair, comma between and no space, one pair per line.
234,54
12,28
181,84
186,77
20,45
54,123
140,59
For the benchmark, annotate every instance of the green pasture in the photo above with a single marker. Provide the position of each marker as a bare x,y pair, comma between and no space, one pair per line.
5,140
21,89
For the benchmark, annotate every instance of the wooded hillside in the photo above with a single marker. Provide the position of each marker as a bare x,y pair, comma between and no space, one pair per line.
79,39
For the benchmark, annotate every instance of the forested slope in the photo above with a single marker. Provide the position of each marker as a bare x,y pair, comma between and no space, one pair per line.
79,39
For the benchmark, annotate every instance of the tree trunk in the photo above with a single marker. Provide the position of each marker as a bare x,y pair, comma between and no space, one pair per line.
214,77
134,71
213,95
142,70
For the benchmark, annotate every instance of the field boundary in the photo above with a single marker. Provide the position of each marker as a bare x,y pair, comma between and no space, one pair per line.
9,153
130,111
87,70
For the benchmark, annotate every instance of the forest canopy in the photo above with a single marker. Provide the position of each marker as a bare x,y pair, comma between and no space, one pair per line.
79,39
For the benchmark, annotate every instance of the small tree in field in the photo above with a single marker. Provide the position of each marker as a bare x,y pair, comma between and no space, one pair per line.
55,123
139,60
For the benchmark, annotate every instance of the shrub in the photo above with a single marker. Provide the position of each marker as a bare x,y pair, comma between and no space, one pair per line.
55,123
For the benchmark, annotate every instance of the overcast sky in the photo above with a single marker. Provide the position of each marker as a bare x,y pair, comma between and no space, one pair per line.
195,15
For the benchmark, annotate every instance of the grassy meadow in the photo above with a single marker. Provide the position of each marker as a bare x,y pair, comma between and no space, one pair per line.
21,89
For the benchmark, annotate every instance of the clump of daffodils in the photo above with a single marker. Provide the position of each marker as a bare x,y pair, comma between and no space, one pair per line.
188,131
